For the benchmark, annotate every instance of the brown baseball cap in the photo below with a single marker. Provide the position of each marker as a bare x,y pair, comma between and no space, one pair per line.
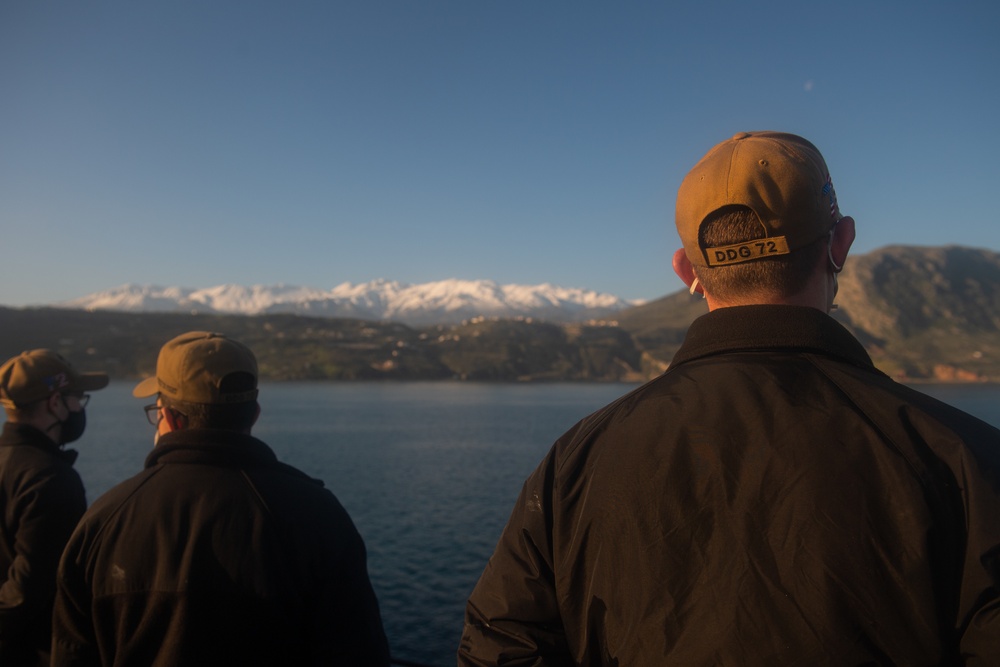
781,177
193,366
37,374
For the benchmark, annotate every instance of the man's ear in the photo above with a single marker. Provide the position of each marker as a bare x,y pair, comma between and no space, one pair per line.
54,400
684,271
843,236
175,420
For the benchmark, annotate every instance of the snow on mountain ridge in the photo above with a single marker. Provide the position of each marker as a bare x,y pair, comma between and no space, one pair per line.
444,301
253,299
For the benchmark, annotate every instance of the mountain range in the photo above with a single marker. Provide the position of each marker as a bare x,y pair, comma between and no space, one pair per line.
922,313
441,302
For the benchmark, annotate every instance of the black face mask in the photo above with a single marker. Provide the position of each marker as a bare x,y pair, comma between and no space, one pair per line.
73,426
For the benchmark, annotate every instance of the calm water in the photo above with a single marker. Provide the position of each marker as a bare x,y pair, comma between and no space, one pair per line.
429,472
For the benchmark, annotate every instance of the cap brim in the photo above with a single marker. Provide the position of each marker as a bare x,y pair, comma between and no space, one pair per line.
92,381
147,387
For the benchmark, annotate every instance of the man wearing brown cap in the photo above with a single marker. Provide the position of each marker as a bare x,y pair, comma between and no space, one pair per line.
41,495
216,553
772,499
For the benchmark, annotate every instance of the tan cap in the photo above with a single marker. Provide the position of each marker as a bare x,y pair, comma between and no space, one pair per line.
37,374
781,177
191,368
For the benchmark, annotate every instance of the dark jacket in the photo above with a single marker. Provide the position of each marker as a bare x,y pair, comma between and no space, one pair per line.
41,499
216,554
772,499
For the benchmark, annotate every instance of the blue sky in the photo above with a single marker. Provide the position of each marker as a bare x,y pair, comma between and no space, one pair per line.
313,143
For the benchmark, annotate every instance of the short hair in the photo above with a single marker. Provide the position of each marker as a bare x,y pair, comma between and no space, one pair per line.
773,277
23,413
223,416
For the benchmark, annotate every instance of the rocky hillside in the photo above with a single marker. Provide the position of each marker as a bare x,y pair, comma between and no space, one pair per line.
922,313
926,312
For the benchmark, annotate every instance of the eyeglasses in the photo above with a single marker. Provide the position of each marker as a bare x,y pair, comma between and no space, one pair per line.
153,414
82,399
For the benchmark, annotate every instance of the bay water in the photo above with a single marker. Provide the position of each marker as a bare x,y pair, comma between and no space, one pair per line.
428,471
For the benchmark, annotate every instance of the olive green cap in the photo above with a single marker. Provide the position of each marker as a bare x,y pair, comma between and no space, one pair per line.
193,366
37,374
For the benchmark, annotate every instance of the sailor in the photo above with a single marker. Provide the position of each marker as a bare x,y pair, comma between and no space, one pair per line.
41,494
216,553
772,499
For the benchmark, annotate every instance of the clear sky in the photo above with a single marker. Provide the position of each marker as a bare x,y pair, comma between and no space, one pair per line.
312,143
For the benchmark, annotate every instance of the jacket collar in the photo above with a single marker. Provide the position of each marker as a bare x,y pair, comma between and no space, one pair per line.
769,327
211,446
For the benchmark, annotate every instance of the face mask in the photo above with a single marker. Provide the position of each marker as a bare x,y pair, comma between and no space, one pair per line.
73,426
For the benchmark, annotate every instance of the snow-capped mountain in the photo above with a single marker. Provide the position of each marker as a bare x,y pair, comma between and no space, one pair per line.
441,302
